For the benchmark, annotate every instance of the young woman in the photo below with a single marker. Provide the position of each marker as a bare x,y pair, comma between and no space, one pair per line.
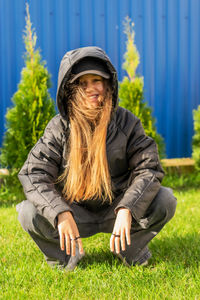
94,170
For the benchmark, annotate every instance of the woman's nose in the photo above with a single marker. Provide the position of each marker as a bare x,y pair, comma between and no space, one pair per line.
89,86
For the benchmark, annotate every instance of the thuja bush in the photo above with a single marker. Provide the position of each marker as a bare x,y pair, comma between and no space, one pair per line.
131,89
196,138
32,106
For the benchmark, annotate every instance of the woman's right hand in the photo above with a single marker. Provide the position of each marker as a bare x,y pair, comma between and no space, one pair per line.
69,234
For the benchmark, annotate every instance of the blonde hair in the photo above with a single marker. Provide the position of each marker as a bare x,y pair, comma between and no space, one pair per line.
87,175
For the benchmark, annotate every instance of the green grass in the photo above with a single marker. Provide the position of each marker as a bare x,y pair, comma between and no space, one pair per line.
173,272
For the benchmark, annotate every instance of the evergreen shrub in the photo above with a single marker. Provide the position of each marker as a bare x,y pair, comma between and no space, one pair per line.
131,89
196,138
32,106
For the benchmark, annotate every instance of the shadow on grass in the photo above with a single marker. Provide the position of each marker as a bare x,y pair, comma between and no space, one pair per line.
97,258
178,250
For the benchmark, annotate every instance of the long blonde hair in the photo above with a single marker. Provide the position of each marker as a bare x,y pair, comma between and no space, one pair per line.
87,175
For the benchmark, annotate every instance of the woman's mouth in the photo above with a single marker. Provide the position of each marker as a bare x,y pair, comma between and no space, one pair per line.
94,97
94,100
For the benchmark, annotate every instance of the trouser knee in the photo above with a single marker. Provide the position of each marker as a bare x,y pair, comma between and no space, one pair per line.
33,223
165,203
26,214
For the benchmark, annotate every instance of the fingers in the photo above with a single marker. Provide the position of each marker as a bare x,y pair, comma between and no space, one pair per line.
120,239
62,240
76,241
73,246
69,234
80,246
128,236
70,243
123,245
117,243
121,231
112,242
116,240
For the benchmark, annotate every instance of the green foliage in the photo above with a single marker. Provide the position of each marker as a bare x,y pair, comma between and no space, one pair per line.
11,191
131,89
182,182
32,109
196,138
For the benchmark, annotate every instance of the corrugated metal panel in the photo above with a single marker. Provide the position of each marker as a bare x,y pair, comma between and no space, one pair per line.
167,38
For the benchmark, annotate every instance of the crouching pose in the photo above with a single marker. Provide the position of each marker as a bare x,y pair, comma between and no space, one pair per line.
94,170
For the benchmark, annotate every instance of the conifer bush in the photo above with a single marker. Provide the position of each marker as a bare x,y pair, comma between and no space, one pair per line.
32,106
196,138
131,89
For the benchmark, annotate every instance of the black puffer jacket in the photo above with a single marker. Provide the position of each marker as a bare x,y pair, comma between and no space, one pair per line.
133,159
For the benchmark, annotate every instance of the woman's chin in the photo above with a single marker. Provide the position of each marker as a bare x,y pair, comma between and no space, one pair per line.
93,104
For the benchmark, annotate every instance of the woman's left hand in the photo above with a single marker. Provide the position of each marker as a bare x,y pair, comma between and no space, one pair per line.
121,231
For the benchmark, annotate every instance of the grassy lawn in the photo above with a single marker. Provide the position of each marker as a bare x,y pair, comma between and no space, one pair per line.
173,271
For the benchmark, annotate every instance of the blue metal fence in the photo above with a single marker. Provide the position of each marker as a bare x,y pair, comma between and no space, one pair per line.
167,38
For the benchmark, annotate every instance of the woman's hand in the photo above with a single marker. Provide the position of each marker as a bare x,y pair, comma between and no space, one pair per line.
69,234
121,231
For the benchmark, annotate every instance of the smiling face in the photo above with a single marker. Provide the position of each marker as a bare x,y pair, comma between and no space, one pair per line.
94,88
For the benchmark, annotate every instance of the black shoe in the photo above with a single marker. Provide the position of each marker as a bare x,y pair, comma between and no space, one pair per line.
141,260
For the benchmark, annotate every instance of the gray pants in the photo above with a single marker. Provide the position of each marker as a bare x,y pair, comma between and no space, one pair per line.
89,223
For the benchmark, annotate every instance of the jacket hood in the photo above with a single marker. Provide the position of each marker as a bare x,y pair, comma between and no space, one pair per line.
73,57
